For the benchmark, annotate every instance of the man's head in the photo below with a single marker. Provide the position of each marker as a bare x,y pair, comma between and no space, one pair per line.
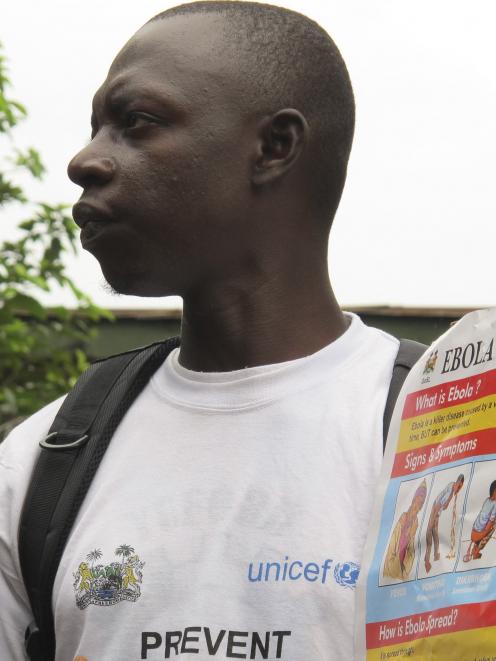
419,497
222,131
492,490
459,483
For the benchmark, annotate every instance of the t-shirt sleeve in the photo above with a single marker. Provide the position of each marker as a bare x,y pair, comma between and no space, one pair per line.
18,454
15,613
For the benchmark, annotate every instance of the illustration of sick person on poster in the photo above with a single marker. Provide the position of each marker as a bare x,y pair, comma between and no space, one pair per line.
400,555
427,586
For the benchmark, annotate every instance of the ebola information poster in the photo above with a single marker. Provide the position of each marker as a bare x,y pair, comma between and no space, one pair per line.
427,589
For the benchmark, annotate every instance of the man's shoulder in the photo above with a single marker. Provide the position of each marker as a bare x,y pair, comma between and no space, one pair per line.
20,449
372,334
376,346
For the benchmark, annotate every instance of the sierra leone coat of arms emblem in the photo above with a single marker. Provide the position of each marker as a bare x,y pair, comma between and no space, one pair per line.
108,584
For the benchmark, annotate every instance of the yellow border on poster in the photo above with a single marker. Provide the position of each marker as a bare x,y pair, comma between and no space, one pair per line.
443,424
473,645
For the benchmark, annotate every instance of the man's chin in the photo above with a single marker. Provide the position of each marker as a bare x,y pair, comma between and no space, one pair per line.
135,285
110,289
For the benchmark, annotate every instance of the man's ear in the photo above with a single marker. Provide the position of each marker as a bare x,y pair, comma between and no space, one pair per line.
281,139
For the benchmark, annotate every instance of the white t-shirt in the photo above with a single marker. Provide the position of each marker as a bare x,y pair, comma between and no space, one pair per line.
227,518
445,495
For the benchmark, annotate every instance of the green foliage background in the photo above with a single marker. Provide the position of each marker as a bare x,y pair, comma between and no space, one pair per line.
42,352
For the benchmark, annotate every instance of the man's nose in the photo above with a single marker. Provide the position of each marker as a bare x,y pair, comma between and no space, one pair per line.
88,167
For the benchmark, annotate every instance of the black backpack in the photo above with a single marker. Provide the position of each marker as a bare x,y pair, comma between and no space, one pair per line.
70,456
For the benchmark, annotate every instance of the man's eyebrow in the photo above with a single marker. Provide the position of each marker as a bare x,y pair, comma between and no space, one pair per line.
120,94
125,96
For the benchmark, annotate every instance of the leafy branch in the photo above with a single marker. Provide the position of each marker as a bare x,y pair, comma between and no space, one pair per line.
42,352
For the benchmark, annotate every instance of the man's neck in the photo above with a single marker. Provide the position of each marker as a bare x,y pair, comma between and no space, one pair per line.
237,328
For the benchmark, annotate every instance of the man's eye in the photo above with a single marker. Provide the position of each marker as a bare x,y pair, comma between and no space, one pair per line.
136,120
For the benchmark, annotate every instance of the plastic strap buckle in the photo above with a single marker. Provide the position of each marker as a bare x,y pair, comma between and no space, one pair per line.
44,443
32,642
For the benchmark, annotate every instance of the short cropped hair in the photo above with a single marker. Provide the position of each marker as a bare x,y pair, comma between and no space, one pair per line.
289,61
492,488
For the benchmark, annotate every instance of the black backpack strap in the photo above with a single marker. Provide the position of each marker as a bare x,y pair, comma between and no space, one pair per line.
408,353
69,458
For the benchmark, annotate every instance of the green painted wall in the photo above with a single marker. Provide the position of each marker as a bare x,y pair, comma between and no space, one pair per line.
127,333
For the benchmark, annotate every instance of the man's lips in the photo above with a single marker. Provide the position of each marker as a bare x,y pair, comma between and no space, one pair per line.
86,212
93,221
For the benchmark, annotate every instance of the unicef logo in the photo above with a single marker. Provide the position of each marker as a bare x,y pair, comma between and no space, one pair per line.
346,574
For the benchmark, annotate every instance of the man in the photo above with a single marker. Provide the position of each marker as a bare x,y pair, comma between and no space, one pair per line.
219,150
400,554
441,503
483,527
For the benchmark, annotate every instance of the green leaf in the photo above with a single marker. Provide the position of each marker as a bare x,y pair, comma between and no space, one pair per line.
24,303
27,225
10,192
37,280
30,160
62,313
